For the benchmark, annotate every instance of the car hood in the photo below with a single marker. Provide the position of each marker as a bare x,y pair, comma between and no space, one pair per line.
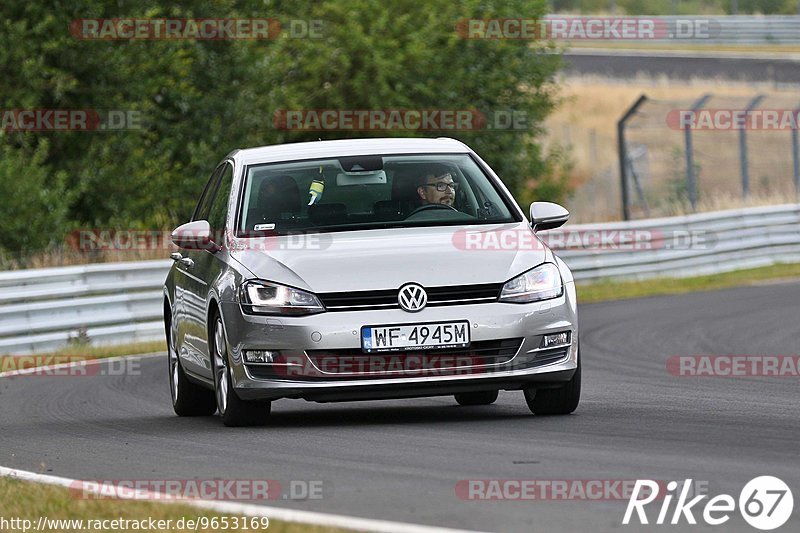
388,258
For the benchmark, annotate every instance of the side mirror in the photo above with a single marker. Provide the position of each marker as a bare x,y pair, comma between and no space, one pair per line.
546,215
194,236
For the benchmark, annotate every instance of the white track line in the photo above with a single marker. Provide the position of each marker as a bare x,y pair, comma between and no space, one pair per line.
233,508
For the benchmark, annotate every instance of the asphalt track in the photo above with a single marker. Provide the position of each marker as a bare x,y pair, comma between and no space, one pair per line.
778,68
401,460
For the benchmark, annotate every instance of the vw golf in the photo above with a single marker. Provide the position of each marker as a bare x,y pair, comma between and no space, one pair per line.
366,269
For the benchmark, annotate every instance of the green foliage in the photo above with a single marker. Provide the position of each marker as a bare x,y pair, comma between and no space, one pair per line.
198,100
407,55
34,205
768,7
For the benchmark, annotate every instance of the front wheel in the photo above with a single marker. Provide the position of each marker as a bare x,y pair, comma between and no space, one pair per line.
561,401
188,399
234,411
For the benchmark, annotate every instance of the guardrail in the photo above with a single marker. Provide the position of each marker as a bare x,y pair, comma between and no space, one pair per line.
691,245
111,303
41,309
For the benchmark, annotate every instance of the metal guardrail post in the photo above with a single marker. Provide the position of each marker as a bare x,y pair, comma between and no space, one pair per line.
691,177
623,156
743,163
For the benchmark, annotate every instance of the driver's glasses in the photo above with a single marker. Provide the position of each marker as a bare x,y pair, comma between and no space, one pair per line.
443,186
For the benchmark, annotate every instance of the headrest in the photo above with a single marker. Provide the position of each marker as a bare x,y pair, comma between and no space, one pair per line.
325,214
278,197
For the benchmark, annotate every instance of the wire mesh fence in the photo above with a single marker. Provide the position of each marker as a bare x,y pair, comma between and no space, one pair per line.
682,156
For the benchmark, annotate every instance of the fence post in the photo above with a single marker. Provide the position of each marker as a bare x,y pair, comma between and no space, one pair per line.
691,178
743,164
623,156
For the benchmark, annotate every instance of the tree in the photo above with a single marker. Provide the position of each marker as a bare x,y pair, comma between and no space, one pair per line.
34,207
406,54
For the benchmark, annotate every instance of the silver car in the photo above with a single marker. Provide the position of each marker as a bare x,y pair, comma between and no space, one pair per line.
366,269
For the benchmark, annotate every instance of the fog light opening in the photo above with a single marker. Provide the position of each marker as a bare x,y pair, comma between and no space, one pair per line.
260,356
554,340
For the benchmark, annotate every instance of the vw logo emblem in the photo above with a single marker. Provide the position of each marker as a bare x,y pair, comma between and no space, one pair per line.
412,297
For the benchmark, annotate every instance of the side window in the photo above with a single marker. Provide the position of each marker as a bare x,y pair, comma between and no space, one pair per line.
203,206
219,206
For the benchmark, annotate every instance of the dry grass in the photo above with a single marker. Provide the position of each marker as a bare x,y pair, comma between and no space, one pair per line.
586,121
80,352
66,256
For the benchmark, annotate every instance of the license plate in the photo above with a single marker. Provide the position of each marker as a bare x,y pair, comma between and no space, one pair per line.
430,336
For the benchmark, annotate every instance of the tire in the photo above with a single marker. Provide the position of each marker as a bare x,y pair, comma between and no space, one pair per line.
476,398
561,401
234,411
188,399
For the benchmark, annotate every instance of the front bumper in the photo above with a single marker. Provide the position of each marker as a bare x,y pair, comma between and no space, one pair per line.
339,332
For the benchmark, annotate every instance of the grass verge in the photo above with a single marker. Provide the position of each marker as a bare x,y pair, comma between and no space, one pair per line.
114,350
79,352
29,501
620,290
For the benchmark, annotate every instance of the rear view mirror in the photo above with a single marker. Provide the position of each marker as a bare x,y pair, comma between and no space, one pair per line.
361,163
546,215
194,236
361,178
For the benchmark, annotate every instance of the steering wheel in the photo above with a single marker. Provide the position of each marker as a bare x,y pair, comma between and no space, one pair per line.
432,206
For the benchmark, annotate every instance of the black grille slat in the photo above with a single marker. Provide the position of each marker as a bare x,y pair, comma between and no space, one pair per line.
358,298
464,292
387,298
550,356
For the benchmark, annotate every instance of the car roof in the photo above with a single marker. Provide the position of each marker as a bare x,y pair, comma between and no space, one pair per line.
347,147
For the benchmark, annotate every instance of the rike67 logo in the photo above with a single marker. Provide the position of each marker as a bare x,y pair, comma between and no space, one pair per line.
765,503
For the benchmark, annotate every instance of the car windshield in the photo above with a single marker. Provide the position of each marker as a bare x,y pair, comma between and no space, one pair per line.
366,192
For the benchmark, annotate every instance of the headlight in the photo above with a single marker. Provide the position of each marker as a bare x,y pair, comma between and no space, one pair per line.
266,298
540,283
